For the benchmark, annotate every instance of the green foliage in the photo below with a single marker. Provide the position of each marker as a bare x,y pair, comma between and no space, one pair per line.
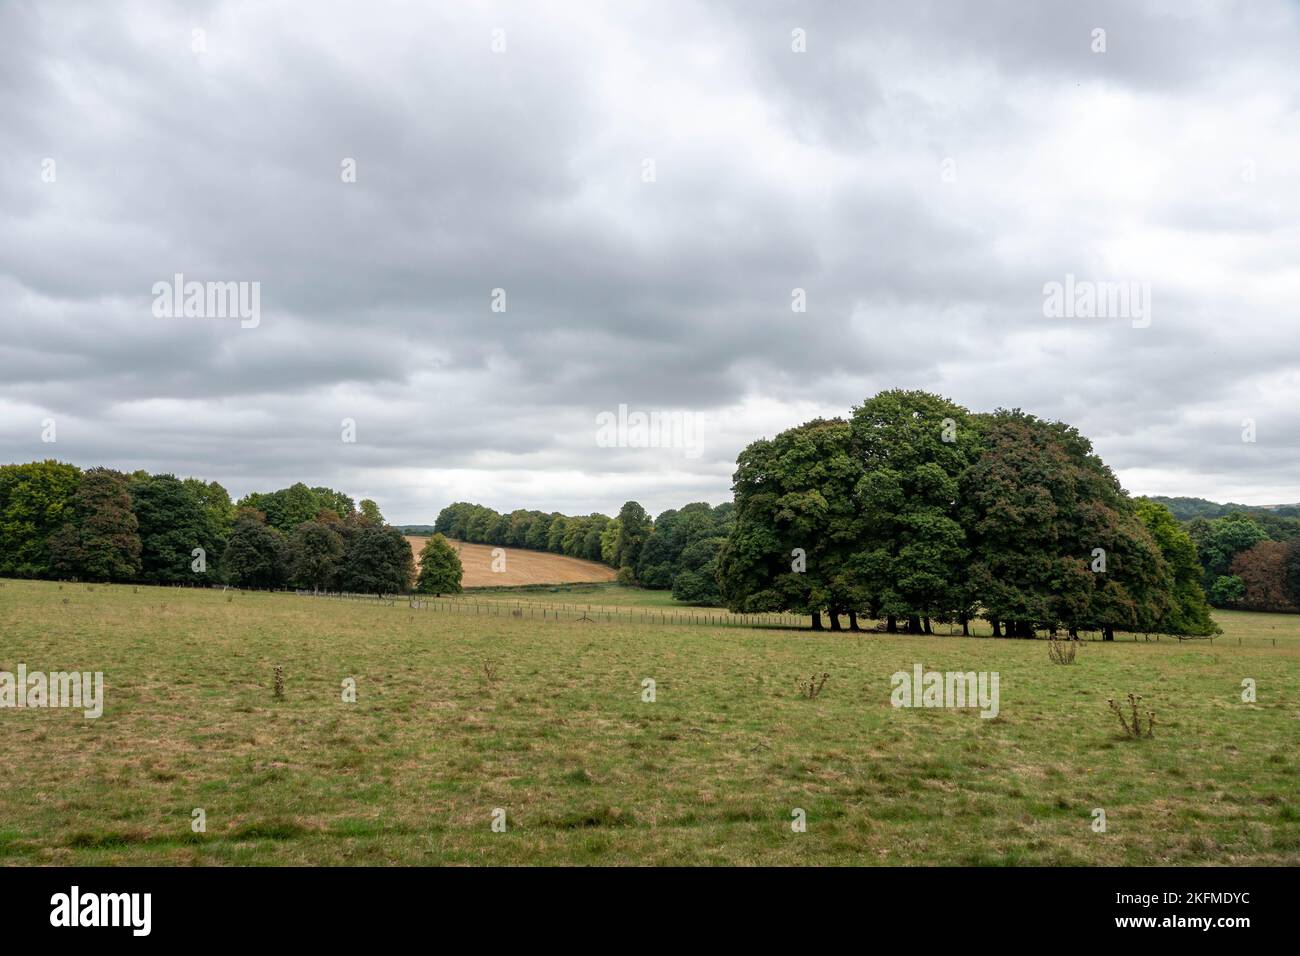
256,555
370,512
697,580
216,503
101,539
377,560
922,510
1190,613
1228,590
289,507
1185,509
586,537
35,499
796,521
105,526
315,556
912,449
634,527
440,568
1220,540
173,523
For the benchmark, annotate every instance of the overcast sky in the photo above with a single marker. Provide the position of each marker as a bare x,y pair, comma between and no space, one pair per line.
648,183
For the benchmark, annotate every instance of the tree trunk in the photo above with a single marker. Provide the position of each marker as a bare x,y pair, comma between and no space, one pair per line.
853,621
891,624
997,626
965,626
913,624
1107,633
817,620
835,619
926,622
1074,633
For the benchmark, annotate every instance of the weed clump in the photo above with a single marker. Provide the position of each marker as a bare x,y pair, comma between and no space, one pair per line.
1133,729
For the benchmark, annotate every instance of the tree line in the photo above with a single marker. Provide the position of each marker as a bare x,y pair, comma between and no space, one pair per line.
59,522
916,510
913,510
1250,559
676,551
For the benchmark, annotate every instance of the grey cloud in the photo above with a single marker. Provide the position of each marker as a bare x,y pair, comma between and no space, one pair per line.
775,170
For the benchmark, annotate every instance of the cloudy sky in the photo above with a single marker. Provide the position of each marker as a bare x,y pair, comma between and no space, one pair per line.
648,183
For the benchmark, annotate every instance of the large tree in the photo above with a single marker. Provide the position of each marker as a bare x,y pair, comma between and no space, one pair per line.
440,568
101,539
795,525
1019,498
1055,541
634,527
256,555
912,449
35,500
1262,569
315,555
173,524
377,560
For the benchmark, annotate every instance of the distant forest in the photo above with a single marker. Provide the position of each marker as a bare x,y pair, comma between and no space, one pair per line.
1185,509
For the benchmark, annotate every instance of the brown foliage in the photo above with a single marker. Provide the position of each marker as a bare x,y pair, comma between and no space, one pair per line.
1262,568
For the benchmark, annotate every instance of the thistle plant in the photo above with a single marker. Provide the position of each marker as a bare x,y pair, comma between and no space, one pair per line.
812,686
1133,729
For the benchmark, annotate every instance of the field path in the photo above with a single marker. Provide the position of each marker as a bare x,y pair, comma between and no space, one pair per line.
521,566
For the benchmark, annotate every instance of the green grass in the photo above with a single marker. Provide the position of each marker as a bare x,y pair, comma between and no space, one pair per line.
459,714
603,595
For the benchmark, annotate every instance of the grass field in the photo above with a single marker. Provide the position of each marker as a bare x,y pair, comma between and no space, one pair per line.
460,714
521,567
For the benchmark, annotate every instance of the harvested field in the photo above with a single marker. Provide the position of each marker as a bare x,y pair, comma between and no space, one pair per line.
521,567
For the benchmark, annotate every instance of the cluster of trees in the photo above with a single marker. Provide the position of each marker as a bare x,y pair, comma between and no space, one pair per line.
917,510
678,550
681,551
533,530
1250,559
57,521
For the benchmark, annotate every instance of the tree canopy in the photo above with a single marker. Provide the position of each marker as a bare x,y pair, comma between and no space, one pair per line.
920,510
440,568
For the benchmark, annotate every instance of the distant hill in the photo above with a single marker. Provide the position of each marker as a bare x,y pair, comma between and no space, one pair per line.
1185,509
419,530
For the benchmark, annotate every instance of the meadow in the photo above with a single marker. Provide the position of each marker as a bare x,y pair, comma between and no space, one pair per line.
459,714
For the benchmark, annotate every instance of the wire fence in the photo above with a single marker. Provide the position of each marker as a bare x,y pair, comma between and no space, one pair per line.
506,607
593,613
